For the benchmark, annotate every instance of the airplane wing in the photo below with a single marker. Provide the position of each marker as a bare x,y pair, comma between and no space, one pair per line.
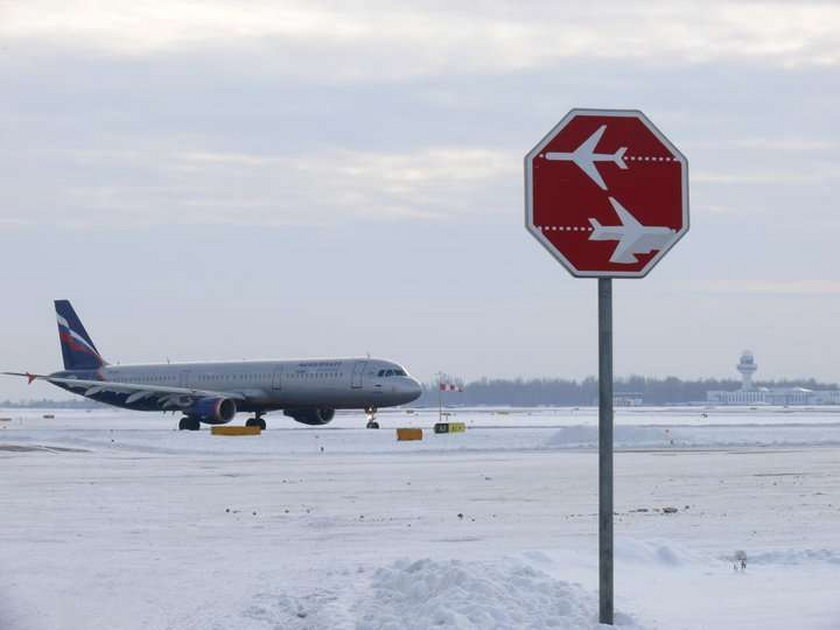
165,395
592,141
588,167
625,251
627,219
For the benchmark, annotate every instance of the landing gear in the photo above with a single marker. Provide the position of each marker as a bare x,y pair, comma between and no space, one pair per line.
371,416
256,421
189,423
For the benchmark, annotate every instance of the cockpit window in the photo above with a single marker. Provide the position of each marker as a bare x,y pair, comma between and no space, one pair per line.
394,372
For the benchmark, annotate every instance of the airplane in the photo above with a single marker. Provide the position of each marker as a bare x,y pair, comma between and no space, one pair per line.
307,390
633,237
585,157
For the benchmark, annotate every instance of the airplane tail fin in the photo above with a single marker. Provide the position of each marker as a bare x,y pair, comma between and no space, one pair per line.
597,229
619,158
77,348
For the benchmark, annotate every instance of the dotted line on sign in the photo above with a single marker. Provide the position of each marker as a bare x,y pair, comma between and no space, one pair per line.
649,158
564,228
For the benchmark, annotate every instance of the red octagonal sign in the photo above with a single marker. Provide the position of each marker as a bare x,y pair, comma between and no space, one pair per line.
606,193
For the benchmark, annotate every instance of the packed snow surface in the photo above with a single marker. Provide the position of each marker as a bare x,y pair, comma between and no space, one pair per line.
116,520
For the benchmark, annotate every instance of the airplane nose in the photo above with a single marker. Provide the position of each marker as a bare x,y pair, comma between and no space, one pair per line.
410,388
415,389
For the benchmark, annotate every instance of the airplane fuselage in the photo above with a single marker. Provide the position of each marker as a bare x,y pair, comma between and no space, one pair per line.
351,383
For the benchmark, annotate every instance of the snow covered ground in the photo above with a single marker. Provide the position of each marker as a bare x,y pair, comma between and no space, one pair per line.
115,520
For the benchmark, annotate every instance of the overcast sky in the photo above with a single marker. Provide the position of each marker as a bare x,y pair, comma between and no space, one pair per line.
226,180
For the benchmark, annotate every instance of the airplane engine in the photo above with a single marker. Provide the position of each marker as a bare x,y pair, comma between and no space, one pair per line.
213,410
312,417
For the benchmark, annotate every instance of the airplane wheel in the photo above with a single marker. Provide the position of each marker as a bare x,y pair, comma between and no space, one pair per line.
255,422
189,424
373,424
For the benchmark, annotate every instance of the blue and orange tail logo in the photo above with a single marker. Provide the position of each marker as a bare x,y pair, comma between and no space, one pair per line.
77,348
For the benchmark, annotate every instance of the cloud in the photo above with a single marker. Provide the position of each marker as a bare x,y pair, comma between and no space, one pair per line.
768,177
395,40
11,223
795,287
789,144
163,186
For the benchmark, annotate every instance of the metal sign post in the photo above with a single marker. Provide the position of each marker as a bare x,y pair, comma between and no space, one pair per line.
606,193
605,451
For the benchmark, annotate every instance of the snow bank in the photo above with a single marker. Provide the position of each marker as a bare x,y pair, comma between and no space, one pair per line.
421,594
470,595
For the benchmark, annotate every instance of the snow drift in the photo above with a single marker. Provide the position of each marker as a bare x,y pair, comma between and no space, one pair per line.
421,594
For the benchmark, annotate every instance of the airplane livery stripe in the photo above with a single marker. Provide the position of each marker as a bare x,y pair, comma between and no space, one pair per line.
73,339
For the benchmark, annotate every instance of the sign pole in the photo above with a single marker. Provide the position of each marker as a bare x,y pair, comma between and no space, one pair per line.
440,397
607,195
605,451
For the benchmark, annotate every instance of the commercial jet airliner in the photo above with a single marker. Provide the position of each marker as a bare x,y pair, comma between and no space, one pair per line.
307,390
633,237
585,157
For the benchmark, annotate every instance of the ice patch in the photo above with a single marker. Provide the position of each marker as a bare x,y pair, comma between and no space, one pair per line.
706,436
422,594
626,436
321,608
792,557
653,552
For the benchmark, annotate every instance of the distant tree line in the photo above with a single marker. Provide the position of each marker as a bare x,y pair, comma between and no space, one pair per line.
562,392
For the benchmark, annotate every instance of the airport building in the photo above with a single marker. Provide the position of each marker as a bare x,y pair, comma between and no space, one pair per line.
749,394
627,399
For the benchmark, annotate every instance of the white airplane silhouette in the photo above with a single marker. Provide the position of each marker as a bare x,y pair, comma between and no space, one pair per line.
633,237
585,157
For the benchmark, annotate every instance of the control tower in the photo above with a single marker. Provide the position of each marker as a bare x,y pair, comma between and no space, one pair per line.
747,367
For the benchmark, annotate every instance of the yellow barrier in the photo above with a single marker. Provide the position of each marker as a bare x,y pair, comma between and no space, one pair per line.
235,430
407,435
